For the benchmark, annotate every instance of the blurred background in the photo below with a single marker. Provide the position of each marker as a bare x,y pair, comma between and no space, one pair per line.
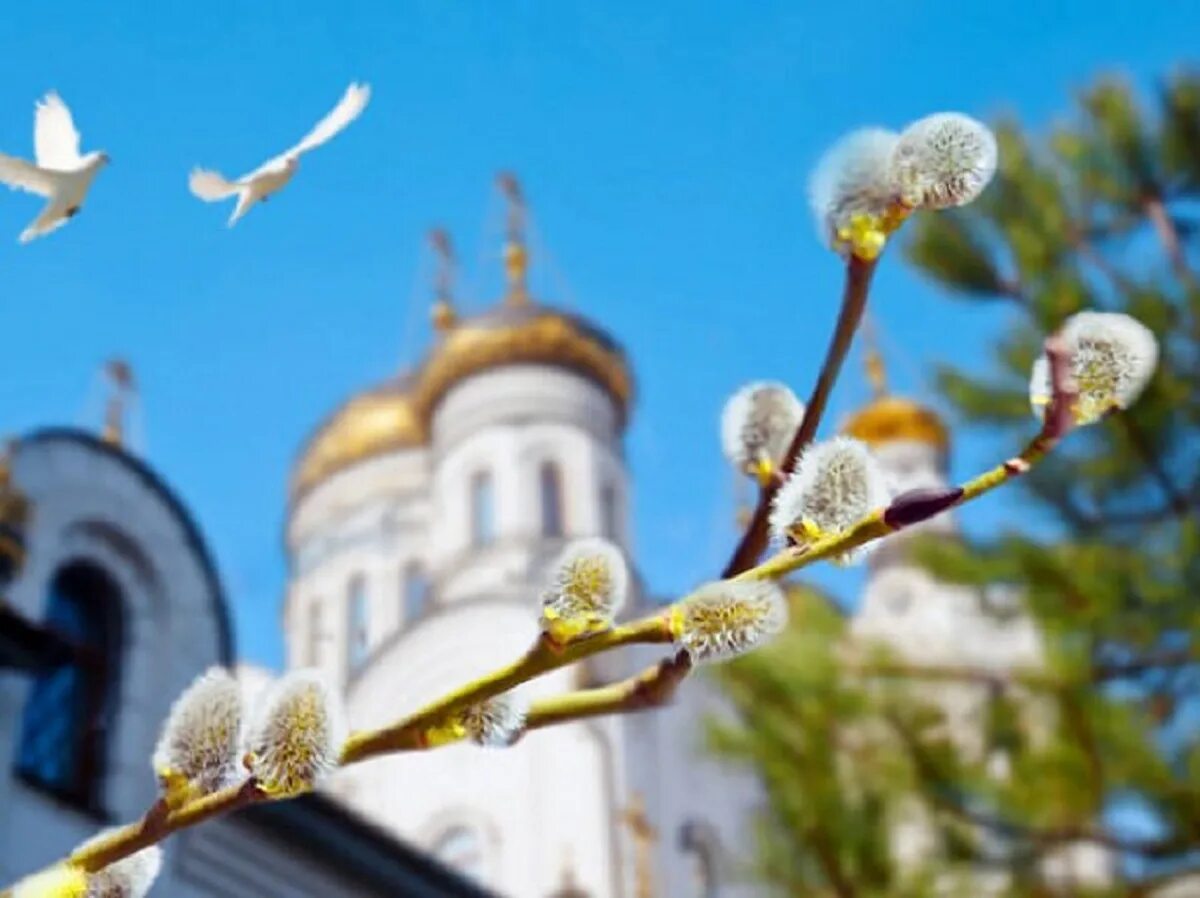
330,440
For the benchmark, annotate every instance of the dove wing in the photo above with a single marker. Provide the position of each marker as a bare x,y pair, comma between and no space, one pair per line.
349,107
21,175
55,140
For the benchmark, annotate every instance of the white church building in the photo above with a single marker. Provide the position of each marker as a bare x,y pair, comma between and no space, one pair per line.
423,514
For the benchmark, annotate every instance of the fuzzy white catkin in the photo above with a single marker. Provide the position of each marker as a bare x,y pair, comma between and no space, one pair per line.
61,881
854,177
497,722
1113,357
728,618
297,734
589,586
202,736
943,160
758,422
835,484
130,877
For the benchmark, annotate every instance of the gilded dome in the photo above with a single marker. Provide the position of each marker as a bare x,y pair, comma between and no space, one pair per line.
524,333
889,419
517,331
380,420
396,415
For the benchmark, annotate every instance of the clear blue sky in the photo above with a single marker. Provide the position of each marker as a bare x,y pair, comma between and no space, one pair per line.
664,148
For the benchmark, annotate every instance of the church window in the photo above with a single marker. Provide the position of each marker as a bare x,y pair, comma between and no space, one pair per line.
67,720
700,842
483,512
415,591
608,511
461,848
357,644
550,488
315,636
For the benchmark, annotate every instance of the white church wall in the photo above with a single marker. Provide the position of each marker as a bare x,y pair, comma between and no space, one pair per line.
91,507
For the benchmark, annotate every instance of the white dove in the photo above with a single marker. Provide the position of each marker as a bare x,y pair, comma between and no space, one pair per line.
272,176
59,173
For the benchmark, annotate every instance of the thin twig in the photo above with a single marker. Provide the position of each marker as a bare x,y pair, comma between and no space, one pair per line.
854,302
408,732
920,505
652,688
1141,445
1168,235
655,685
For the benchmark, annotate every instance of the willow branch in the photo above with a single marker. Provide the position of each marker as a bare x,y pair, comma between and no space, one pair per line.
916,506
157,824
409,732
854,303
652,688
648,689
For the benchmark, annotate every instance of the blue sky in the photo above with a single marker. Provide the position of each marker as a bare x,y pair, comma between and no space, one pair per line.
664,148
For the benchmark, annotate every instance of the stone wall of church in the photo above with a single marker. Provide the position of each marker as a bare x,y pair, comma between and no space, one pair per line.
91,506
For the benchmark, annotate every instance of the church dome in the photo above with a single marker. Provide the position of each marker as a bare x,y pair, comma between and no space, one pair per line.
516,331
891,419
383,419
524,333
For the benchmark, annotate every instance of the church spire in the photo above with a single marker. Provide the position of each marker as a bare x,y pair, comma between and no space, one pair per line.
14,515
444,315
516,255
121,389
873,360
644,836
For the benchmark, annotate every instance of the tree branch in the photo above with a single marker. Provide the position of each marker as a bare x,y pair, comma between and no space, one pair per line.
1137,439
652,688
1168,236
919,505
854,301
409,732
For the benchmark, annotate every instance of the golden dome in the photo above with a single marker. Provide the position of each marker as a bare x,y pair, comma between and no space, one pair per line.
396,415
889,419
524,333
378,421
518,331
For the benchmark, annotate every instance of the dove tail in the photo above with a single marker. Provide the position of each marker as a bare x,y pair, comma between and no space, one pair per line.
210,186
245,201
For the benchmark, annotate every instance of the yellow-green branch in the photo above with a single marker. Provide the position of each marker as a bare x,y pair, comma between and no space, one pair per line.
854,302
544,657
651,688
920,505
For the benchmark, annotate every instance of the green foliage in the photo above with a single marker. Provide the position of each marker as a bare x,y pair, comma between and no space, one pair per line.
1103,549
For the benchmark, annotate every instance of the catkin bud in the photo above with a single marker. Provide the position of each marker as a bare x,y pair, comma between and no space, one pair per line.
497,722
943,160
297,735
588,589
198,748
1113,357
61,881
835,484
757,426
728,618
130,877
853,195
